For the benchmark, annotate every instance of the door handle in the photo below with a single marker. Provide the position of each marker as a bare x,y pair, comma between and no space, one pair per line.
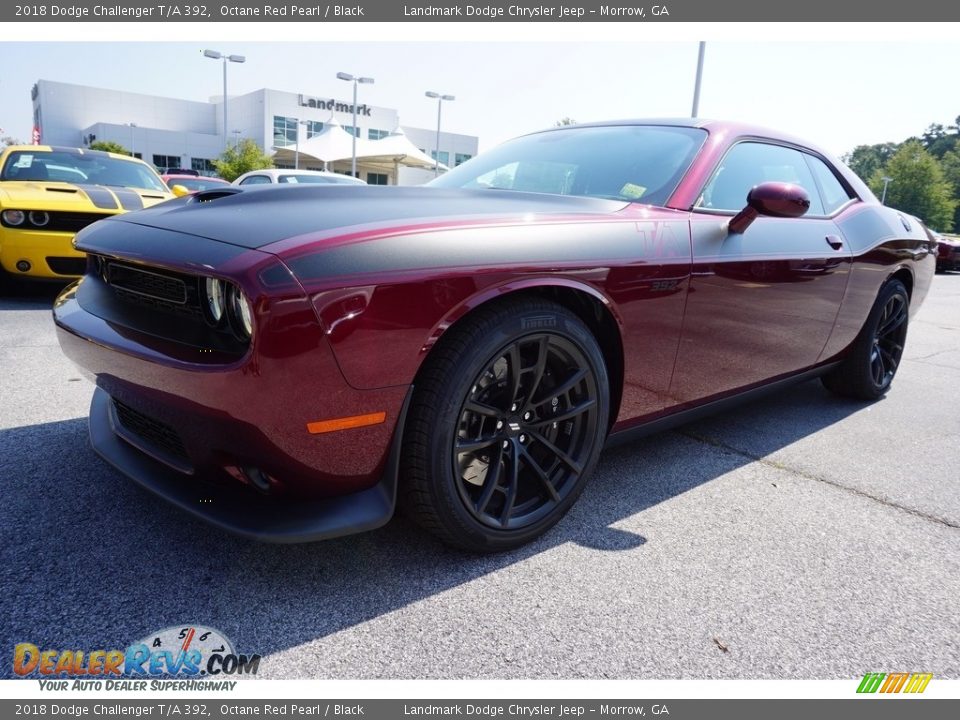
834,241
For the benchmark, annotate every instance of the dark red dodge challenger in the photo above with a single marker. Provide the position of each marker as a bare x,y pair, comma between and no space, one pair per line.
290,363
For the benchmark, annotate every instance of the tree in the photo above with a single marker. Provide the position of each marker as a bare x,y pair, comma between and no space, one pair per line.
564,121
865,160
9,140
951,171
918,185
933,133
109,146
241,158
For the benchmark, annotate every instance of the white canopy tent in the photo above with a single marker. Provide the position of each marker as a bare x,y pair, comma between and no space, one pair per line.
335,144
395,150
331,144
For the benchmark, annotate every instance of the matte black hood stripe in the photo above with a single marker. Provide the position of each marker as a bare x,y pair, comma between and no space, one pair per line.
608,242
129,200
101,197
261,216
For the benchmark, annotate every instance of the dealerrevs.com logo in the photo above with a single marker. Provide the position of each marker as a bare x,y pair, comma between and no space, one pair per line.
191,651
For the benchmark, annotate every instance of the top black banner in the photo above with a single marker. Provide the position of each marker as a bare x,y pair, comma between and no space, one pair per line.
483,11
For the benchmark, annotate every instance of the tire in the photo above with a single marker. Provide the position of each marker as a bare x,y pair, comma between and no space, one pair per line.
874,357
493,458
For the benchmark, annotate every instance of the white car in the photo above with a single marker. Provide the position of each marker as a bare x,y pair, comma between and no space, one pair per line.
295,177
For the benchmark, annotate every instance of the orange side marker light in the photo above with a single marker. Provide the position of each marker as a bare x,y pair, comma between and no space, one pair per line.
354,421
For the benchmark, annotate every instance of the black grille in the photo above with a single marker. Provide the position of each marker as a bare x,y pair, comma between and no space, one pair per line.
159,435
67,265
72,222
159,302
184,309
150,284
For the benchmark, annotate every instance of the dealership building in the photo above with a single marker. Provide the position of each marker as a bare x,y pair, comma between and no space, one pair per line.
170,132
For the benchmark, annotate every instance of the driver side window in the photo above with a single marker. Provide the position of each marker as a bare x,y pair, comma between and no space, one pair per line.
751,163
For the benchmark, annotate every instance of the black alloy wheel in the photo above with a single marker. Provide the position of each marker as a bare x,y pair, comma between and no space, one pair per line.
508,418
874,357
525,431
888,340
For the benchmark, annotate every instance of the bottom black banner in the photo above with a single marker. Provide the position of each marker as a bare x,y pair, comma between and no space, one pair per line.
872,708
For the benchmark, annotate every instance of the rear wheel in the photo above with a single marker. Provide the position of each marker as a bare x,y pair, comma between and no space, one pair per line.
874,359
507,421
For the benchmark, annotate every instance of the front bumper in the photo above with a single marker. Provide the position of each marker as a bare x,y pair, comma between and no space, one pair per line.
223,418
51,254
260,518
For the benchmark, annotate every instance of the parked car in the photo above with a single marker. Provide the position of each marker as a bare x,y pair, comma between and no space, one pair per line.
178,171
296,177
48,193
289,365
181,185
948,253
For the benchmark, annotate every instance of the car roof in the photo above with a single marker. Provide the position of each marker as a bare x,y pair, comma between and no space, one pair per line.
167,176
277,172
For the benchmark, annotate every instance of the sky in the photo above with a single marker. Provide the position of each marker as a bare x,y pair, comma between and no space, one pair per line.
836,94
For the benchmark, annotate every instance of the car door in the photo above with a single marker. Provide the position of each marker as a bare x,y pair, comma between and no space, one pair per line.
762,303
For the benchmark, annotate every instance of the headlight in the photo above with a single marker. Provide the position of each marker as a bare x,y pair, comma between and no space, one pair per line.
14,217
241,312
39,218
215,297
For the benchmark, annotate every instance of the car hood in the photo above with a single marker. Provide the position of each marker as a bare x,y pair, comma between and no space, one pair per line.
256,217
78,198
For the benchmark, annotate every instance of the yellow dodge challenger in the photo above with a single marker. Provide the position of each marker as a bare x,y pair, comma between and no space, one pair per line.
48,193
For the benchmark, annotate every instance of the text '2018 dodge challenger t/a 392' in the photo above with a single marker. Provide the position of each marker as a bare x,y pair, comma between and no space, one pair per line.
290,363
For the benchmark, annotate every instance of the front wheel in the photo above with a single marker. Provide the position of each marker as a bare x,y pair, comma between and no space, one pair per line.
875,356
507,421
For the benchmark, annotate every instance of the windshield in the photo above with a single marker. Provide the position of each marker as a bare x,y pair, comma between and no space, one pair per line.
73,167
635,163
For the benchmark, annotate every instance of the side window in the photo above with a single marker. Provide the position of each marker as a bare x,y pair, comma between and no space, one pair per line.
835,195
751,163
256,180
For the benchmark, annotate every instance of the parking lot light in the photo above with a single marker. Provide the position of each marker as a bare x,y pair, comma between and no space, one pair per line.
439,98
217,55
355,80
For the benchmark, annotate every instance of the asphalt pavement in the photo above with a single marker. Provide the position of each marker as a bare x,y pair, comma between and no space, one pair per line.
803,536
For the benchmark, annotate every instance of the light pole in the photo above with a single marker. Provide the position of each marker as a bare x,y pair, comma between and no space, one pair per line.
366,81
886,181
696,83
439,98
217,55
132,126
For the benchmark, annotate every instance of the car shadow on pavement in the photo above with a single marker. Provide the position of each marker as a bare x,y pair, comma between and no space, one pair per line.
19,295
89,560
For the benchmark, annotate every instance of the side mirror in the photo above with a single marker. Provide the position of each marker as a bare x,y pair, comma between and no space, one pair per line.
775,199
179,191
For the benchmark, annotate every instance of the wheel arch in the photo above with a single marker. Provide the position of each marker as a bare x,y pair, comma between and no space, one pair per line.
597,311
904,275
